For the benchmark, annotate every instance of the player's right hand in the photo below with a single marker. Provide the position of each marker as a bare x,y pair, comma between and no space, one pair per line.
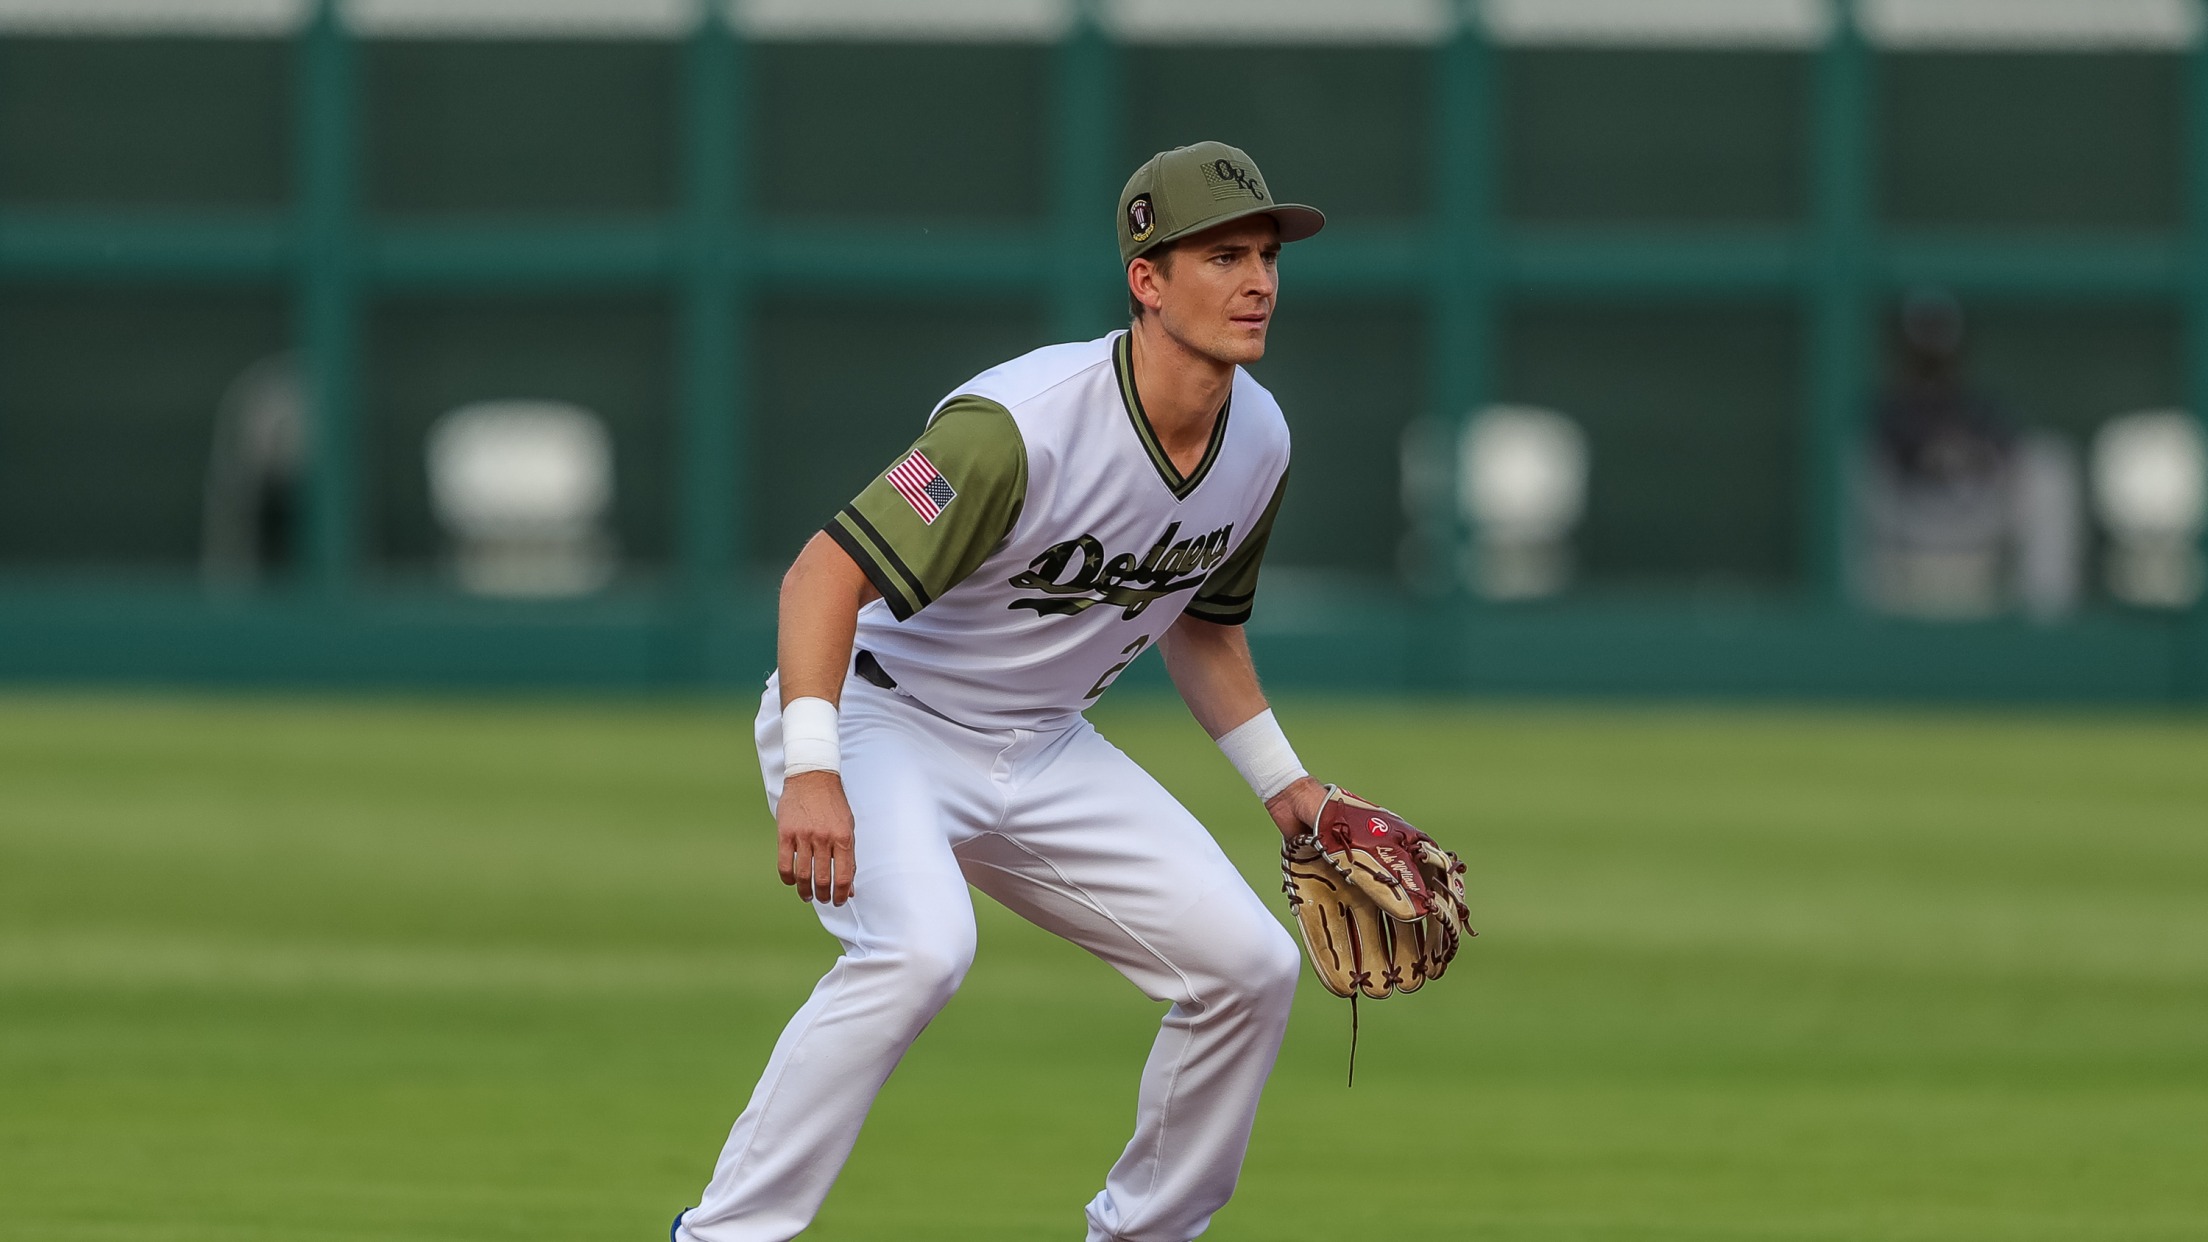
812,827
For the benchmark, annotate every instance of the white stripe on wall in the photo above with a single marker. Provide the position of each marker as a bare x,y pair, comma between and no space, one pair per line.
153,17
2017,25
1660,23
2030,24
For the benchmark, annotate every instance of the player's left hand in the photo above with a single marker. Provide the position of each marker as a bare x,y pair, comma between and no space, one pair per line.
1381,906
1296,808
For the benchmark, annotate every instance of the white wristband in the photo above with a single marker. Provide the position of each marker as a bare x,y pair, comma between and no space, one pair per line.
1261,753
809,742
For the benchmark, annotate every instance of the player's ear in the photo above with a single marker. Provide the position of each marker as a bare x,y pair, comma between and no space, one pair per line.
1143,280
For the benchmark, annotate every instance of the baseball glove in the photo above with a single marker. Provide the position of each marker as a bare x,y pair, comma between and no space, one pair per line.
1381,906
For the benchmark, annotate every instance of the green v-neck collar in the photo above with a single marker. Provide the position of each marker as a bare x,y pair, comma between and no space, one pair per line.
1123,366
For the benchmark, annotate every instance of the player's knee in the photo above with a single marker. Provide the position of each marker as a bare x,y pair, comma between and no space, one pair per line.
928,972
1278,965
1264,965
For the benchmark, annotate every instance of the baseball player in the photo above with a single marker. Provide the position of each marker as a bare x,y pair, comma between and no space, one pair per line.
939,640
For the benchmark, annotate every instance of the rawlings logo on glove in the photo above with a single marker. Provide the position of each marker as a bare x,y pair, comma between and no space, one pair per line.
1381,906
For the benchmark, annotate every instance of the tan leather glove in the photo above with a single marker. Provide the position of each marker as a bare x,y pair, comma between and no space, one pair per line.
1381,906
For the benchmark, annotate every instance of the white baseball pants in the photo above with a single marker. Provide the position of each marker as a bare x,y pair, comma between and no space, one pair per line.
1067,831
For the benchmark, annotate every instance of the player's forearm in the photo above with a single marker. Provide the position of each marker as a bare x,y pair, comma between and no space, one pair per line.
821,598
1212,668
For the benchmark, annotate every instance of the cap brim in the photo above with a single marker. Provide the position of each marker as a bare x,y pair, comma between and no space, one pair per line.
1296,223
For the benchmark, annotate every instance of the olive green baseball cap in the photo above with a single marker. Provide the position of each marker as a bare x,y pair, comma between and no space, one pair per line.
1189,189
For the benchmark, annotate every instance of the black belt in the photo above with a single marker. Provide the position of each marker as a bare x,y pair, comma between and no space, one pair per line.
871,670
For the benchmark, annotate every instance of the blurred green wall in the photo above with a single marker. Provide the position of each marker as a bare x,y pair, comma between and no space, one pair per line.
899,210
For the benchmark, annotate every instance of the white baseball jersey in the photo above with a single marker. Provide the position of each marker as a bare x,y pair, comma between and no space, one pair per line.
1037,539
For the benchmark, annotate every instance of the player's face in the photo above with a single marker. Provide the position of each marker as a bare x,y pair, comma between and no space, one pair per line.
1218,298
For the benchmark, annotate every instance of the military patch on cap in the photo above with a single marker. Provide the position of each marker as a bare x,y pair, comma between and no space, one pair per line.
1226,179
1141,220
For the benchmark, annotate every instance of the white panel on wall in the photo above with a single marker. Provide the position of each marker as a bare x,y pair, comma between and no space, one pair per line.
522,19
1657,23
153,17
948,21
1280,21
2054,25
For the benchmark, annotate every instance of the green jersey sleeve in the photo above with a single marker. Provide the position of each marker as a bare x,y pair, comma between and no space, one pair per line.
922,526
1229,594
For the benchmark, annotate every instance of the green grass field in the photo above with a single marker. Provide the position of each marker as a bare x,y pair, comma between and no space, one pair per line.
298,969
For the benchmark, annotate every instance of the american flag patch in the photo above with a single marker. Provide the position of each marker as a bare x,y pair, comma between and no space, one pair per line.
922,485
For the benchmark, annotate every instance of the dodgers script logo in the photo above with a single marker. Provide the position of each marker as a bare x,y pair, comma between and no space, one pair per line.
1121,581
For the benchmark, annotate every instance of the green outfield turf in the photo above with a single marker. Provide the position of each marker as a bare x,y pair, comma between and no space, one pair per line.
328,970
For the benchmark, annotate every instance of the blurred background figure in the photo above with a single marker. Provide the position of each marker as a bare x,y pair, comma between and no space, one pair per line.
522,489
248,530
1964,514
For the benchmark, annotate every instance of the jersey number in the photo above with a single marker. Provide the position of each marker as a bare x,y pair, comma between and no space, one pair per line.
1131,651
